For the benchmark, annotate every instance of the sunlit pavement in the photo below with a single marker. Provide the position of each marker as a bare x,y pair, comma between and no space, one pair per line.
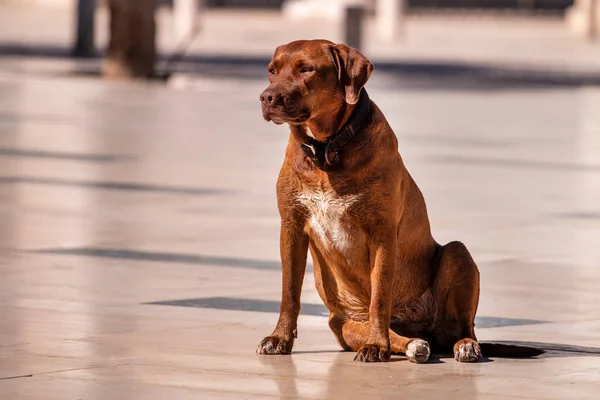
139,238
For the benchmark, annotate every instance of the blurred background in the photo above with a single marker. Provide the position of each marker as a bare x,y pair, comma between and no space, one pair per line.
138,220
137,38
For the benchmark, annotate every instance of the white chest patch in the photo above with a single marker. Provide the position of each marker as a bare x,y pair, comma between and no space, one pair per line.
326,211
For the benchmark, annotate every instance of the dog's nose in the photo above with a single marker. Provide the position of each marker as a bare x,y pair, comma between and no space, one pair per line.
269,97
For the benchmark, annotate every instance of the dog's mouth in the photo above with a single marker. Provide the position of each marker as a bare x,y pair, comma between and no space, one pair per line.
279,117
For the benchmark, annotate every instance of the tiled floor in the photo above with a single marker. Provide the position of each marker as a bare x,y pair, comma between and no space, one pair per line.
139,255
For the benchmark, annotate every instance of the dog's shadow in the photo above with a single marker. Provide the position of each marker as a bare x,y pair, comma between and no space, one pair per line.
553,350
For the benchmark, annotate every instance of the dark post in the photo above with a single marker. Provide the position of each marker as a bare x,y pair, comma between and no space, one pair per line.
84,42
353,26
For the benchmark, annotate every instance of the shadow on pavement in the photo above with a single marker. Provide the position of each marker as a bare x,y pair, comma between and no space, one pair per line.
553,350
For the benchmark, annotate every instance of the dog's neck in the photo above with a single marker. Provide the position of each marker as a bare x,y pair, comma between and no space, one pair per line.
324,148
323,127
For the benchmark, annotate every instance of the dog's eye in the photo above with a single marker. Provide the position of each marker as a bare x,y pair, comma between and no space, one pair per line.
272,71
306,69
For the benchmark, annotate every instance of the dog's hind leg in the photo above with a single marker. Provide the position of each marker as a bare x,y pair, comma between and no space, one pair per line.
456,292
352,335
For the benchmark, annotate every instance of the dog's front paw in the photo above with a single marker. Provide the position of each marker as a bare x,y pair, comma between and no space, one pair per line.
467,350
418,351
372,353
275,345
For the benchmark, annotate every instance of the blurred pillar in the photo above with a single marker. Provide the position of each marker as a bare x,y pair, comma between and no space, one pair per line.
132,49
389,16
84,41
594,19
584,18
185,18
353,26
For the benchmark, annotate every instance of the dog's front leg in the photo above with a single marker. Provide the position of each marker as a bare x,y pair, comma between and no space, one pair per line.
294,249
377,347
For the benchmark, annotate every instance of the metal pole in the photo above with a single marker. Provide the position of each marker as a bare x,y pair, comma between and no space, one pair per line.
84,42
354,26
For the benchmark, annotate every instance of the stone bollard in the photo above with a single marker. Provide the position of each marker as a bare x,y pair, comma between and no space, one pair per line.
594,20
132,49
584,18
185,18
353,26
389,15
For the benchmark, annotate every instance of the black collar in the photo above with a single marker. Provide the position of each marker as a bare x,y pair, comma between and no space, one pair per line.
327,154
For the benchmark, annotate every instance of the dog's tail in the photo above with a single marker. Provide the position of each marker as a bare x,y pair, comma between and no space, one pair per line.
509,350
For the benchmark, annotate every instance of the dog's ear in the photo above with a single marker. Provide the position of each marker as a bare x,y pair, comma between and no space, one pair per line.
354,70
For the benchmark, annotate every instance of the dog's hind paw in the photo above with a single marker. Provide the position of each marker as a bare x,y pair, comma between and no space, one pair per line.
467,350
275,345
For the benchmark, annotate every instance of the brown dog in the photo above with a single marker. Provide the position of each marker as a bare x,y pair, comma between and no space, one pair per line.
344,193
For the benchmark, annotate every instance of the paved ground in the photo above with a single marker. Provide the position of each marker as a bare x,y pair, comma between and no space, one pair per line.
138,236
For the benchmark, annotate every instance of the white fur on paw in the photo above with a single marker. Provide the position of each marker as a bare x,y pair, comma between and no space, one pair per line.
418,351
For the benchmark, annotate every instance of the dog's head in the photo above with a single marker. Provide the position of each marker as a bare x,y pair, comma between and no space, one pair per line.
312,78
